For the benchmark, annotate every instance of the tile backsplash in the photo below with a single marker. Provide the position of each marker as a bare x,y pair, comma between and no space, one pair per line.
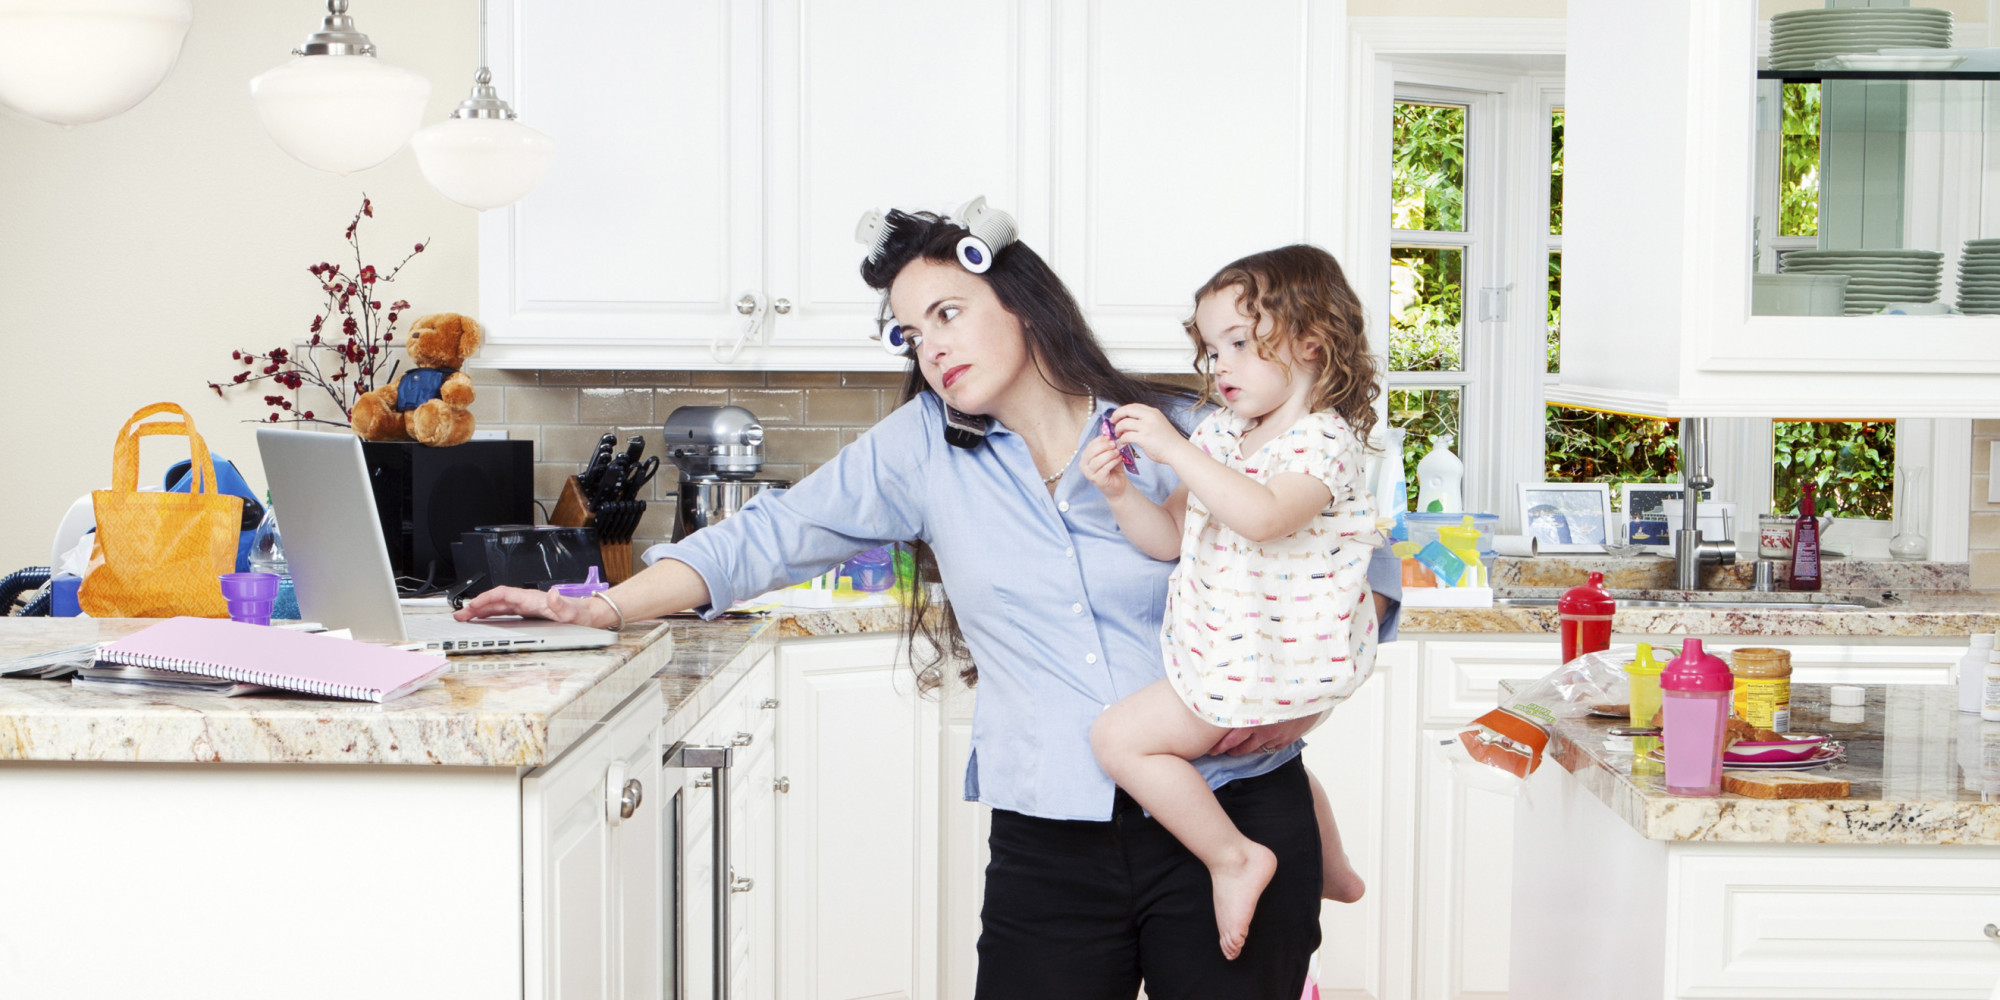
1984,536
807,417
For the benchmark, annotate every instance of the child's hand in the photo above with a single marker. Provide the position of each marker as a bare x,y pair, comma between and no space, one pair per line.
1142,425
1102,466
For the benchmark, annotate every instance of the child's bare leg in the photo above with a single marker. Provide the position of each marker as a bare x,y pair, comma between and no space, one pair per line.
1145,743
1338,879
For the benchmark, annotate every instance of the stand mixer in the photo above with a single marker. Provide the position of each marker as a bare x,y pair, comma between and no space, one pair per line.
719,450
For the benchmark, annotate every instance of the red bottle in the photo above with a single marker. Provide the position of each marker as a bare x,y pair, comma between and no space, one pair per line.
1586,611
1805,544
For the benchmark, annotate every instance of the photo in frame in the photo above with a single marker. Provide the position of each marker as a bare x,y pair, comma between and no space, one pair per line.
1643,508
1567,517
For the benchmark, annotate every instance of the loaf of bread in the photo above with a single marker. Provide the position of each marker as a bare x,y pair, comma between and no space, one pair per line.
1783,785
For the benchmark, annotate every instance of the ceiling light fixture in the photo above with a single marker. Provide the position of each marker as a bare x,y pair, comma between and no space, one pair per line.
336,107
482,157
73,62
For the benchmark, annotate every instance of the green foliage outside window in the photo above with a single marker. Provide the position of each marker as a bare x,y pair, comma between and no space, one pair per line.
1427,186
1555,320
1798,182
1556,173
1423,414
1589,446
1427,309
1851,464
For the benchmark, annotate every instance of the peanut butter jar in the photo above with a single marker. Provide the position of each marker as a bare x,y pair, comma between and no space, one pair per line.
1763,696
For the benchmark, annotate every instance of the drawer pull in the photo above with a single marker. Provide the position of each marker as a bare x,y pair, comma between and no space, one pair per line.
740,740
628,803
785,785
1993,932
740,883
768,703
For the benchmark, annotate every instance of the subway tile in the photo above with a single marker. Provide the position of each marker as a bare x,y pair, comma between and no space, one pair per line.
565,376
489,404
772,406
849,435
790,472
666,401
843,407
801,380
1979,494
615,406
1986,428
1986,570
549,478
656,523
526,405
652,378
731,379
569,443
809,445
1986,530
503,376
874,380
1982,457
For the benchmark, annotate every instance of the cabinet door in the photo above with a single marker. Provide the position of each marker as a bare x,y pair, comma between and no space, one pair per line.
742,722
592,910
876,104
753,863
965,828
1188,135
648,225
859,831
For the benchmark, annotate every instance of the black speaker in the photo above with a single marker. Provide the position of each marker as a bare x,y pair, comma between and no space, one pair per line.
427,497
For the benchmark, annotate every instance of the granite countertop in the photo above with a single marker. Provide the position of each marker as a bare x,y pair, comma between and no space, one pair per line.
508,710
1917,766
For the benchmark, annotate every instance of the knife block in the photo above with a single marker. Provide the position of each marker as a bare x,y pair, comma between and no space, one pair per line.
572,512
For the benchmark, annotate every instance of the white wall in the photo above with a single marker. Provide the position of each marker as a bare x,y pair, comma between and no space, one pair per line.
137,252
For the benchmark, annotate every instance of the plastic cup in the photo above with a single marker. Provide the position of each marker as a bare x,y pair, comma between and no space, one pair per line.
250,596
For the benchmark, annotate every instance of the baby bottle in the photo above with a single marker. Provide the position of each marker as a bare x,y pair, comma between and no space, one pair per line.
1644,676
1586,611
1694,706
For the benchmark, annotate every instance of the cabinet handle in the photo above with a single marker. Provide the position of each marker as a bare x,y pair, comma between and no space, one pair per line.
628,803
782,306
785,785
740,883
768,704
717,762
740,740
747,304
704,780
1993,932
616,791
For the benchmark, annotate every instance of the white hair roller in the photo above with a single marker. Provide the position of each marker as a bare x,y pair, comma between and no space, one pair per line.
873,232
991,231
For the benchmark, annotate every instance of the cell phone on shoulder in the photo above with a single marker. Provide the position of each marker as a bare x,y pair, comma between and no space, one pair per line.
964,430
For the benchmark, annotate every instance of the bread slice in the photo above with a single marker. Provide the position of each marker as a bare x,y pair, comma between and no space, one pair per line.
1783,785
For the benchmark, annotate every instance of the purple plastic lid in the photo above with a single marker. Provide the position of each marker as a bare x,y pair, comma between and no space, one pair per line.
590,585
1695,670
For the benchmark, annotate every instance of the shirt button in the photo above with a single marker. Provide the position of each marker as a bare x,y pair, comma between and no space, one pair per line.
1063,506
1092,658
1076,609
1070,552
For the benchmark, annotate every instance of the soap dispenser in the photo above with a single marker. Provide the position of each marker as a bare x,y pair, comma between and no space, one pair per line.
1439,473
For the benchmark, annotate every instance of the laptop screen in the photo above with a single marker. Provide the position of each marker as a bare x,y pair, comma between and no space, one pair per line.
333,540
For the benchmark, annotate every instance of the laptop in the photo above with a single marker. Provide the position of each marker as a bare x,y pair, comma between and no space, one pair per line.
340,562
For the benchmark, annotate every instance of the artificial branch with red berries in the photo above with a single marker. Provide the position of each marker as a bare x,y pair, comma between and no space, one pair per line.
354,355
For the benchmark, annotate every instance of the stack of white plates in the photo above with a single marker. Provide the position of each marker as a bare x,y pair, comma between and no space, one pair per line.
1801,38
1875,278
1979,277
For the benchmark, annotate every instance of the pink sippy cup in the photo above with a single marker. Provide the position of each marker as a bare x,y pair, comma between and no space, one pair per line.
1694,708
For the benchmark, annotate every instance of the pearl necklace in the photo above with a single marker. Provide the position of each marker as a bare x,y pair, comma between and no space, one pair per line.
1058,474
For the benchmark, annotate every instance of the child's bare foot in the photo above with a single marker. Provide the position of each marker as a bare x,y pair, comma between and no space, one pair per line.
1237,889
1341,882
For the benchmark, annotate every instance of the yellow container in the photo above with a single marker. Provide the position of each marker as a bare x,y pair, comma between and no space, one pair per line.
1763,695
1644,675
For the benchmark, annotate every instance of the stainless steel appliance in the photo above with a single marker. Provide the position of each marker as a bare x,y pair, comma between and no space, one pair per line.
719,450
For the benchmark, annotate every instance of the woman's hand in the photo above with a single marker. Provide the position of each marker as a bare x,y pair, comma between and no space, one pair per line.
1142,425
1263,739
1102,466
531,603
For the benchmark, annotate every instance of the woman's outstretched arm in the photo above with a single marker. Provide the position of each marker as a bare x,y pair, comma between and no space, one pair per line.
663,588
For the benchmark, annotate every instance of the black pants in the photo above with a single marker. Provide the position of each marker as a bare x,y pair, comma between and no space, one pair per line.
1085,910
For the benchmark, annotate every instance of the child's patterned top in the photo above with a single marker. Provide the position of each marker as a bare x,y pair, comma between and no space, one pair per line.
1261,632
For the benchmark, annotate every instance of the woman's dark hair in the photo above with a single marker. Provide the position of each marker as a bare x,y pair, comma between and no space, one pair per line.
1065,353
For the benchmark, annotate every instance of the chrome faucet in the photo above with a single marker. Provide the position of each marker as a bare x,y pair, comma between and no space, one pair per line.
1690,551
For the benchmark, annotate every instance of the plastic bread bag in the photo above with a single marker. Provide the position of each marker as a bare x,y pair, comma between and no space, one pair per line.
1498,750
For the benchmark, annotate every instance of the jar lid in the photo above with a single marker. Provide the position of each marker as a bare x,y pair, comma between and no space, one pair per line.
1761,660
1587,598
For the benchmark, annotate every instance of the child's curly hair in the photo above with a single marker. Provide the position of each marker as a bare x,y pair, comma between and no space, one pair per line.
1304,291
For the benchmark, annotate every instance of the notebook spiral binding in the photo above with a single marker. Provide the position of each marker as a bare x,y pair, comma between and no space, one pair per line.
242,676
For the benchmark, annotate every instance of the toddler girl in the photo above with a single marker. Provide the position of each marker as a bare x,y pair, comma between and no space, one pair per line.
1269,615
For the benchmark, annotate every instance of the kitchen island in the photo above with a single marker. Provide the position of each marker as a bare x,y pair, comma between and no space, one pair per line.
1622,890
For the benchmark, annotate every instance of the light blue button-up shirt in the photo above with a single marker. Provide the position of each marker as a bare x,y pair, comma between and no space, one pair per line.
1060,612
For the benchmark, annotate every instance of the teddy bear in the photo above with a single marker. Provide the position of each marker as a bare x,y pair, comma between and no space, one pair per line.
428,403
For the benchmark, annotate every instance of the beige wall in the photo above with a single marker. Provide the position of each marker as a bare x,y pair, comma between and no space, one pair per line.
136,252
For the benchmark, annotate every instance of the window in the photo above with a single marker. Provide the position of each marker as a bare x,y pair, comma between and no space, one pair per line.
1429,245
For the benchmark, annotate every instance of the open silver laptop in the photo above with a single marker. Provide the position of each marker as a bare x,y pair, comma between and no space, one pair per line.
340,563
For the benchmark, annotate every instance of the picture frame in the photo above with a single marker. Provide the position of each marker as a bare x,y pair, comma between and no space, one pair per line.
1647,502
1567,517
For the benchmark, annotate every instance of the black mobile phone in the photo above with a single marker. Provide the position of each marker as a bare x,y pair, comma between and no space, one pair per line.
964,429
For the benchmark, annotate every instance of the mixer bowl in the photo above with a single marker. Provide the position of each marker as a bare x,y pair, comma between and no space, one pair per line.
704,500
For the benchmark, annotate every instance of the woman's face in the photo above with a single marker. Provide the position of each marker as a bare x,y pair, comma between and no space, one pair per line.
970,348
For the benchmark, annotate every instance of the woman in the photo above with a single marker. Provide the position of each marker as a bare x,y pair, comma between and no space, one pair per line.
1085,895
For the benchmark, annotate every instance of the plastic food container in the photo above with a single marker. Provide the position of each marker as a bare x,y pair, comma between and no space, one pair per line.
1586,611
1424,529
873,570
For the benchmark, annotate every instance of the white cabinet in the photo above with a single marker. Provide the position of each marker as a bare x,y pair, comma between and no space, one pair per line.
710,149
1656,282
591,853
860,833
745,721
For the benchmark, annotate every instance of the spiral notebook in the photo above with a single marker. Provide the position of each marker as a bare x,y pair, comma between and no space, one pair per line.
275,657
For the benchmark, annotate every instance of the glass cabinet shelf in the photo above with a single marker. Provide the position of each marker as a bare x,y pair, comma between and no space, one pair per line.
1817,75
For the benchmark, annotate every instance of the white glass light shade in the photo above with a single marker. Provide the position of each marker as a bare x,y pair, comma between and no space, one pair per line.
73,62
483,163
340,113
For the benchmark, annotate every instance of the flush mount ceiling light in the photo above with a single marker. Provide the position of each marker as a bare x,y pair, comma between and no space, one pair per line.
73,62
481,157
336,107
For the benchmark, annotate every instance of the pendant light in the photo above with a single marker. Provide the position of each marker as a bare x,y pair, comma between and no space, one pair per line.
336,107
482,157
73,62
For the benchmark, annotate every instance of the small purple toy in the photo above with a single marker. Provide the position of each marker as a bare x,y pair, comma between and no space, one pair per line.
1125,453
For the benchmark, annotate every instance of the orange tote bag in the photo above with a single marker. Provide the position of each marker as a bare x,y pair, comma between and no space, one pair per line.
158,555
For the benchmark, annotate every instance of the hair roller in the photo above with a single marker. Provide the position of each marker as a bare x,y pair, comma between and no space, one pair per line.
991,230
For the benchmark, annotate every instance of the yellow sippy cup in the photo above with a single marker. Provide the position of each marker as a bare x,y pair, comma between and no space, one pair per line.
1463,541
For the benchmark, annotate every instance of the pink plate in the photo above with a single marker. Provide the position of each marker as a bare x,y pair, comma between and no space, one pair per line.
1794,747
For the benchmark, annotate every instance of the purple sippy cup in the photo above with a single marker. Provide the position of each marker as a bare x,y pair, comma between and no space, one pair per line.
1694,708
250,596
590,585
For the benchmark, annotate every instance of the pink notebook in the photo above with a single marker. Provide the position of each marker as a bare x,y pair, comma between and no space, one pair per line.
276,657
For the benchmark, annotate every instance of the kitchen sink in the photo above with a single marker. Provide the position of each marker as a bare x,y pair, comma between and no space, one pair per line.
1713,601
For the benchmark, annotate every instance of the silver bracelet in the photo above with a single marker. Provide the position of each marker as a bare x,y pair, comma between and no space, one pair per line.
620,627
